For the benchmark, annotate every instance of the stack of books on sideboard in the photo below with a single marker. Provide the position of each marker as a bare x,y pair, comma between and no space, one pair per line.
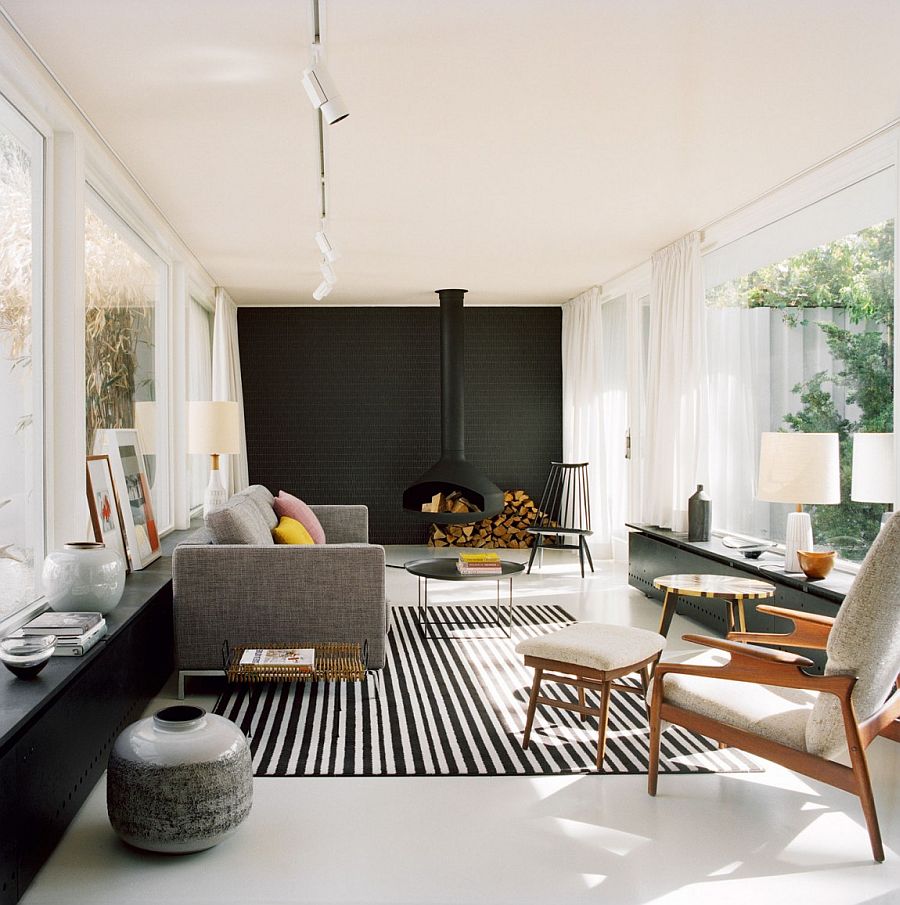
76,633
479,564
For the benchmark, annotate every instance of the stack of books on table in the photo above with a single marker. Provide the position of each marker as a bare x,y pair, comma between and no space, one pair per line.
479,564
76,633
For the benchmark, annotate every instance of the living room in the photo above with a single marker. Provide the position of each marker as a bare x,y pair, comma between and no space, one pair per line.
222,231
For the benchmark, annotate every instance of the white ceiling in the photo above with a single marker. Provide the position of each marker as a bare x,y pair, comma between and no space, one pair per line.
523,149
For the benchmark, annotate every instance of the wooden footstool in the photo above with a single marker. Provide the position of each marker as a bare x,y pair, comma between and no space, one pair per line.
589,656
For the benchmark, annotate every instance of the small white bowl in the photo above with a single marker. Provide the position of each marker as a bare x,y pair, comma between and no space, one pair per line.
26,657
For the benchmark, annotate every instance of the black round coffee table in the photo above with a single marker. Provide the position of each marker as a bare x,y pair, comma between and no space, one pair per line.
444,569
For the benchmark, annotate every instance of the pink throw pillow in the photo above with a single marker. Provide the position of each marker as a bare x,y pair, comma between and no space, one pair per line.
288,505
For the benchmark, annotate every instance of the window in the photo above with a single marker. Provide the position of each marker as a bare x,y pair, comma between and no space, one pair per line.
200,339
21,366
803,344
125,364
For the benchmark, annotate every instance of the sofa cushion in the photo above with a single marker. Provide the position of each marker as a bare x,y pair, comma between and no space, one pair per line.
239,521
290,531
263,500
286,504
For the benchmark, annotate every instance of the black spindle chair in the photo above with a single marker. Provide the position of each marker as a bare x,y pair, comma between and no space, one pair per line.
565,509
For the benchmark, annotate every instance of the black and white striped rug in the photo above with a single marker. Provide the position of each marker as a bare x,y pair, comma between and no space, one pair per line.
454,706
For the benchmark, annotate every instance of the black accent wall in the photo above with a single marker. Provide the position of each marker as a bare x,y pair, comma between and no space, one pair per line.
342,405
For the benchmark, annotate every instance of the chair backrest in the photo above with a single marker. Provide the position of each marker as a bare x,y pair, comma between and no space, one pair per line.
864,641
566,500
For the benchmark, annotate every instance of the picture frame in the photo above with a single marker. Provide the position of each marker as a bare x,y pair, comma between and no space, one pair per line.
126,460
104,506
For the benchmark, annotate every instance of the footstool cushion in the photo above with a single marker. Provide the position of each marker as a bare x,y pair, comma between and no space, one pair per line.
595,646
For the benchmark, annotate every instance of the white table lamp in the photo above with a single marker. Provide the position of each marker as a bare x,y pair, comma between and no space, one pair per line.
214,430
874,478
798,468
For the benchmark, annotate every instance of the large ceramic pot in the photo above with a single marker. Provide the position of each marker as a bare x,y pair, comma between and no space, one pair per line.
179,781
83,577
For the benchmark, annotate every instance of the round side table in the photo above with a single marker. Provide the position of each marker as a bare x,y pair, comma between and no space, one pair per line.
734,591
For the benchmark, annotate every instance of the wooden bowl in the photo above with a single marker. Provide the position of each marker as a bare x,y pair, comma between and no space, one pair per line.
816,565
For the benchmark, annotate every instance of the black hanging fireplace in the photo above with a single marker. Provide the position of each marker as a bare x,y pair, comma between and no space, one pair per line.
452,473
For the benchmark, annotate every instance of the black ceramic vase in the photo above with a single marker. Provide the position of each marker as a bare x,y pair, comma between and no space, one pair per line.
699,515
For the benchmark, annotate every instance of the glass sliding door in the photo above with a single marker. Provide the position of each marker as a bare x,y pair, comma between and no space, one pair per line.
125,341
200,339
803,342
21,360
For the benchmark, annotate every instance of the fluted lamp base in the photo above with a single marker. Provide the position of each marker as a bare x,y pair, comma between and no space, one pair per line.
216,495
798,536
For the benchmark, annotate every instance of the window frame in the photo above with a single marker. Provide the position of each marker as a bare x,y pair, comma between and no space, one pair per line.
35,142
134,236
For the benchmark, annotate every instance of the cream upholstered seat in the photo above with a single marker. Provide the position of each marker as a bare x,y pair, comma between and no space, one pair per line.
589,656
780,714
596,646
767,702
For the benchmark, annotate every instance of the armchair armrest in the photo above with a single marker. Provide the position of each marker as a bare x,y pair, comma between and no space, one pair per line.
344,524
750,651
810,630
757,664
317,592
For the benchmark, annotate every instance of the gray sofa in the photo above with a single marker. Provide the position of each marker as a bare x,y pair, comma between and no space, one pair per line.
250,589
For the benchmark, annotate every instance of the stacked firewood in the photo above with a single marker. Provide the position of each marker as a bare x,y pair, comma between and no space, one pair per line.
507,529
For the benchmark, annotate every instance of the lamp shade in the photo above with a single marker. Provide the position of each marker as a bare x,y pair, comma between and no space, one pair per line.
213,427
874,480
799,468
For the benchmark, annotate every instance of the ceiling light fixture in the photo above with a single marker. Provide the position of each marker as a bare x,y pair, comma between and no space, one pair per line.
322,290
328,250
330,108
321,91
328,273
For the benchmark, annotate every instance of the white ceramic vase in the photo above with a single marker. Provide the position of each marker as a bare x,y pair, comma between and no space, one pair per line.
83,577
179,781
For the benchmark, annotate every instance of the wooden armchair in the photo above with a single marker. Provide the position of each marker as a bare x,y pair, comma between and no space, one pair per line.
809,723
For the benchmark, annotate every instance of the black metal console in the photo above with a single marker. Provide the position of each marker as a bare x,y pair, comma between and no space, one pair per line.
57,729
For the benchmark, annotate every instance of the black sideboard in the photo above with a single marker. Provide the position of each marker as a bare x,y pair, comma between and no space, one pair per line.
653,552
57,729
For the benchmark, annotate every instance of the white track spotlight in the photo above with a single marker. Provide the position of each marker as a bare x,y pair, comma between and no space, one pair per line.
322,290
325,246
322,95
328,273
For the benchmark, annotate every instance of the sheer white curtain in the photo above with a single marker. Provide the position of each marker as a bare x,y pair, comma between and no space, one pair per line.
226,384
595,406
676,429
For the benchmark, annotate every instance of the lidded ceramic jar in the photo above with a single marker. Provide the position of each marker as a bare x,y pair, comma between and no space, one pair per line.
179,781
83,577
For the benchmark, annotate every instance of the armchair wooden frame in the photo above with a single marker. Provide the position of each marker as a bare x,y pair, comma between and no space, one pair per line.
765,666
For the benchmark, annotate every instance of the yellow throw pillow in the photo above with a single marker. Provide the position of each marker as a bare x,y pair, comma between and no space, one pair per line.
290,531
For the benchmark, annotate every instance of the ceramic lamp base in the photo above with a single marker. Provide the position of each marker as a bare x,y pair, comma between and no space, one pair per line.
798,536
216,496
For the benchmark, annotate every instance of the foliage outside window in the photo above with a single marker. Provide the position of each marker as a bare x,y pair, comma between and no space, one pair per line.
123,288
829,315
21,518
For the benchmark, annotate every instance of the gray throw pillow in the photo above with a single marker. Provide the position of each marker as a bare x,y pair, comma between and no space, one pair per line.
239,521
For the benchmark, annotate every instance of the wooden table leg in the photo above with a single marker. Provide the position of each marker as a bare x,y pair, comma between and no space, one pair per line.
742,619
670,601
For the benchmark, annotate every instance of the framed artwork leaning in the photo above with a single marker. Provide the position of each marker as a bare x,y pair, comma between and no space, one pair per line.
103,502
130,481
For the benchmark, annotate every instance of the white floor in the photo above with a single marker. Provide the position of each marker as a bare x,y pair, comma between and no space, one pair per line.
705,839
